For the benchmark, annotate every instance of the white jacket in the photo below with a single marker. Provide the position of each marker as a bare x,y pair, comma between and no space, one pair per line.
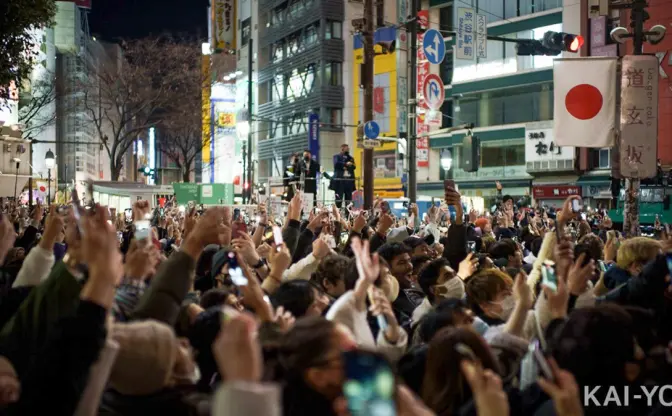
36,267
344,311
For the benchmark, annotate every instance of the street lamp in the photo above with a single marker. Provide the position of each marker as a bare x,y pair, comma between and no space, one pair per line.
243,130
50,163
446,160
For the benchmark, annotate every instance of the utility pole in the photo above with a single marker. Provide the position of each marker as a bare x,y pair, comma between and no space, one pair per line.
413,103
367,83
250,167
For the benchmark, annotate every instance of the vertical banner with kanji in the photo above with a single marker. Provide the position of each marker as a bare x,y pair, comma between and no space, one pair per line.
224,24
639,116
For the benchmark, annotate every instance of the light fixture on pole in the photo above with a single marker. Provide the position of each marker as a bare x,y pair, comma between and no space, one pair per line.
243,131
50,163
446,160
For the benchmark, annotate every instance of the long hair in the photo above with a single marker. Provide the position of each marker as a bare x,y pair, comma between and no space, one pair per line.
444,388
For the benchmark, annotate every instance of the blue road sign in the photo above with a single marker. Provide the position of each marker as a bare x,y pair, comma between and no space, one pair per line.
434,46
371,130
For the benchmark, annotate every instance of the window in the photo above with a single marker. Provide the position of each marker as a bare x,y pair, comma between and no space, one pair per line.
512,105
334,30
277,52
311,34
333,74
335,118
498,156
601,158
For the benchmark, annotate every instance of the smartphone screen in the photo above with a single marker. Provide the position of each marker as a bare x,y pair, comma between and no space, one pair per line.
277,238
385,207
369,386
576,205
472,246
549,277
141,229
235,272
236,214
541,360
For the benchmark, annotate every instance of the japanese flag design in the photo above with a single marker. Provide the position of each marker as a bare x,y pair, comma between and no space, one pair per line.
584,102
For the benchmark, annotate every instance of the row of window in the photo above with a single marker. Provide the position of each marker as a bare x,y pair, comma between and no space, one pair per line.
299,41
496,10
301,83
299,125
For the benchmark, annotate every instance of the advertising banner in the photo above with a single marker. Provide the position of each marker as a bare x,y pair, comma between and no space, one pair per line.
314,135
224,21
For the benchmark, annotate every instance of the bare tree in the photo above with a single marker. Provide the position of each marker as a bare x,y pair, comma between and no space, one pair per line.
38,111
124,97
181,138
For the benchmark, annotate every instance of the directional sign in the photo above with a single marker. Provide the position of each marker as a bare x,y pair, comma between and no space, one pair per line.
433,92
371,143
434,46
371,130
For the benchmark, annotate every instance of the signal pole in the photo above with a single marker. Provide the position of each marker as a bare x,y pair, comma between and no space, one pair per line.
413,103
638,15
367,83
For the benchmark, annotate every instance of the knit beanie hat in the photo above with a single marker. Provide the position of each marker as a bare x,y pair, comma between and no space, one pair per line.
146,358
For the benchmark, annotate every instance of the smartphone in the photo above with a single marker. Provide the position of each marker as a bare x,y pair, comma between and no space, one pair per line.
142,230
76,206
541,360
449,183
369,386
385,207
583,216
576,205
472,246
238,228
236,214
549,277
235,271
277,238
604,268
128,214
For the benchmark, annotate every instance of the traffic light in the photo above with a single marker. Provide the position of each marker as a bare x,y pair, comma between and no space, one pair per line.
147,171
562,41
534,47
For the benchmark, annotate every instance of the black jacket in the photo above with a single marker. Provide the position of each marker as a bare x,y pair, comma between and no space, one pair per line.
310,176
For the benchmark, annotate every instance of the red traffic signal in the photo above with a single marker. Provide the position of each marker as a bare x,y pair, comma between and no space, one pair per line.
561,41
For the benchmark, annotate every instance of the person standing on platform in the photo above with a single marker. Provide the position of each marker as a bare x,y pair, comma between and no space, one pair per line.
343,182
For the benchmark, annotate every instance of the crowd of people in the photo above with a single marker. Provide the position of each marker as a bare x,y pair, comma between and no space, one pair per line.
520,310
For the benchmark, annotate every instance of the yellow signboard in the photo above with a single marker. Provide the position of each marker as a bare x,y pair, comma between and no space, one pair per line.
205,103
384,107
225,119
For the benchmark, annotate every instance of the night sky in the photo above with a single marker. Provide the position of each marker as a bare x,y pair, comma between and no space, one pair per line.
113,19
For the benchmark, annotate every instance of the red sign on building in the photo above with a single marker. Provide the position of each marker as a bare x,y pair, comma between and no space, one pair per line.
555,191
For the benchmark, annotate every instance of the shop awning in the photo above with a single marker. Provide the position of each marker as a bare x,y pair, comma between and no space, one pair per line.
594,180
556,180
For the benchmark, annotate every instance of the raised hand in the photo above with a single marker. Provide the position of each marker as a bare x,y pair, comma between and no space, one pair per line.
7,237
360,223
320,249
468,267
52,229
237,351
486,387
578,276
294,209
563,390
245,247
210,229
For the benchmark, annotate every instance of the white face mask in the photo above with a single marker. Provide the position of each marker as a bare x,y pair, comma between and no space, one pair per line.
192,378
507,305
452,289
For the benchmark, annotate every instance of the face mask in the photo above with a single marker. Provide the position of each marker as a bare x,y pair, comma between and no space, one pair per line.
192,378
306,158
346,153
452,289
507,307
480,326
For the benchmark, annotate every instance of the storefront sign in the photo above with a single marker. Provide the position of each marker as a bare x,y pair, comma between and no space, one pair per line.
540,146
639,116
555,191
422,151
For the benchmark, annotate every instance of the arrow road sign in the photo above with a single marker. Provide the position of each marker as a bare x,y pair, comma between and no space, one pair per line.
433,92
434,46
371,130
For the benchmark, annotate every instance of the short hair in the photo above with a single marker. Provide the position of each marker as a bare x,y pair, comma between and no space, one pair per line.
485,285
214,297
429,275
637,250
445,315
594,246
503,249
389,251
535,246
307,151
345,145
507,198
333,268
296,296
